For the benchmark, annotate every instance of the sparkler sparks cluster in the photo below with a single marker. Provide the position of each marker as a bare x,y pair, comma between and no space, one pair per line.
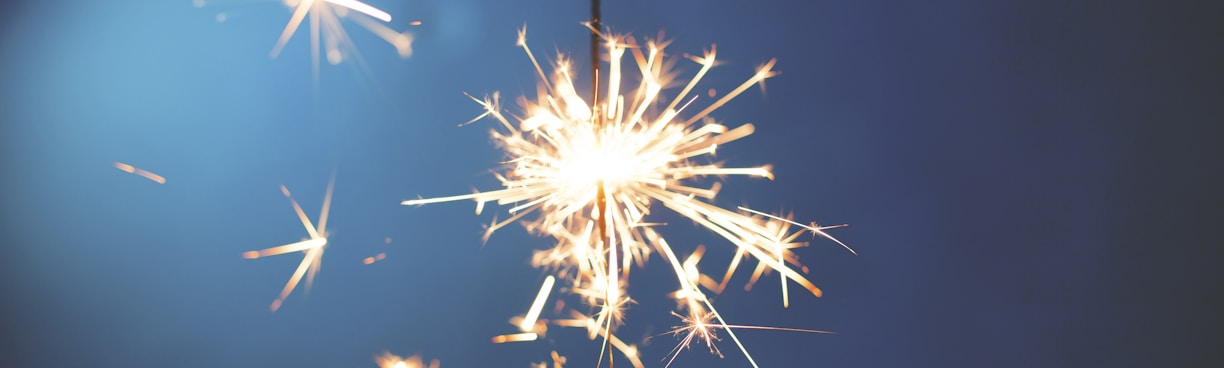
568,159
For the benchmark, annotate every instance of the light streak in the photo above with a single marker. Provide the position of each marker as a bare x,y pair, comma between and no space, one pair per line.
812,227
313,246
538,305
147,175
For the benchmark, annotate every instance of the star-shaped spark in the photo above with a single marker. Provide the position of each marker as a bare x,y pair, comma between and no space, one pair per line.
313,246
588,174
325,17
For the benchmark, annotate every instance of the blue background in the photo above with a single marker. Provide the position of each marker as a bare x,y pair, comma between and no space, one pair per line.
1029,183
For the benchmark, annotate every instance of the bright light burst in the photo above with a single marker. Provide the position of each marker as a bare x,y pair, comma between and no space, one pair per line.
325,15
313,247
629,151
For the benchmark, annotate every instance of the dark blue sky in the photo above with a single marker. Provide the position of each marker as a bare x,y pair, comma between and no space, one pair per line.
1028,183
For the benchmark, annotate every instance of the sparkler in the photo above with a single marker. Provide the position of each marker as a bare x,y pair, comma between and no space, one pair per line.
568,159
313,247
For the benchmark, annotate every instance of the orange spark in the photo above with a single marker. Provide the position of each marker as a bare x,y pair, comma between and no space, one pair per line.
517,337
147,175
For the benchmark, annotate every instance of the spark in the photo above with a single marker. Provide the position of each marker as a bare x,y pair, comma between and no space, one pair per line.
388,360
147,175
529,325
815,229
566,155
325,25
558,361
596,330
538,305
517,337
313,246
699,326
371,260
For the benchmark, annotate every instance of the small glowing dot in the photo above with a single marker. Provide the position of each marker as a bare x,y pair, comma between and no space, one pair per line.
221,17
334,57
197,3
415,23
712,92
387,240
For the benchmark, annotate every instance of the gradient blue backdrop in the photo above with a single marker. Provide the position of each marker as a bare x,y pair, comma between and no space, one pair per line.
1029,183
